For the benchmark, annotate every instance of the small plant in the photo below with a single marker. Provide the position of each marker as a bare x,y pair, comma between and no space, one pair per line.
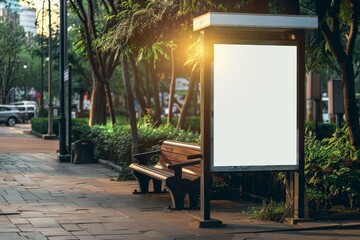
271,211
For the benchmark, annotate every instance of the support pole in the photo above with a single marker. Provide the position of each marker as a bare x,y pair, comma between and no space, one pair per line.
63,154
299,191
206,115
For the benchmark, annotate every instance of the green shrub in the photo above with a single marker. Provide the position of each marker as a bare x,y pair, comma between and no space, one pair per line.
114,142
40,125
332,171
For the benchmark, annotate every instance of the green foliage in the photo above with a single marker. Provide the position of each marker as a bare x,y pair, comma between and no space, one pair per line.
114,141
40,125
325,130
271,211
332,170
191,123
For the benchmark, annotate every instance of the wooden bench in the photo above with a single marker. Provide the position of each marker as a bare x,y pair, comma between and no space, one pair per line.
177,169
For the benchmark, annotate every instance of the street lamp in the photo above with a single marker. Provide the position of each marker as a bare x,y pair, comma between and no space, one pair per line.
50,134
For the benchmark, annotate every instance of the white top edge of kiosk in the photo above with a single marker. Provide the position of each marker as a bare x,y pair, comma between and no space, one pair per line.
242,20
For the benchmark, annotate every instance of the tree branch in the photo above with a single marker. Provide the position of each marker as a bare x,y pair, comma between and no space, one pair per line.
332,38
79,10
354,26
91,23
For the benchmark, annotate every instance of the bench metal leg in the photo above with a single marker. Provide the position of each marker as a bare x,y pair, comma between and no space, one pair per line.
176,194
143,182
157,185
192,188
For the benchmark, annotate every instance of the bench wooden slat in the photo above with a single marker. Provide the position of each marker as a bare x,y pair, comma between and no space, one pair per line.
175,149
157,173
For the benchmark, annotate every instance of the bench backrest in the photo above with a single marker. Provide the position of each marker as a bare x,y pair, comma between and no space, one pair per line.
173,152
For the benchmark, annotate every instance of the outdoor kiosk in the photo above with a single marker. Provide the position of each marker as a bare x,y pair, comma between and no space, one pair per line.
252,98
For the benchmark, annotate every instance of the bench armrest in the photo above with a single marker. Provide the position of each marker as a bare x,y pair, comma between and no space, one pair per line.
177,169
184,164
194,156
143,158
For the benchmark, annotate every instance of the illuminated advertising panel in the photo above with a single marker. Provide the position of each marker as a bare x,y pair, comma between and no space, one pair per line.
254,107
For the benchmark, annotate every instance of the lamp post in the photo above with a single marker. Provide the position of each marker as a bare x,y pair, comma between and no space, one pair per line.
42,61
50,134
26,95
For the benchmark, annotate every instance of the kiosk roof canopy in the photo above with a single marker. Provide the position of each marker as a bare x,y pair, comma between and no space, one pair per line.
245,20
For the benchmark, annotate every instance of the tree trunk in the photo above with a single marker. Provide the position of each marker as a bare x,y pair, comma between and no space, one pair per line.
329,16
187,101
351,111
157,113
110,102
172,88
136,87
130,104
98,104
147,83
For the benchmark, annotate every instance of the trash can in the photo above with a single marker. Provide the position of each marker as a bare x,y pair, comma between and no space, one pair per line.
82,151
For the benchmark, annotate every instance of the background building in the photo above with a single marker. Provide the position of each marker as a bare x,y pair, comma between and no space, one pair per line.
25,16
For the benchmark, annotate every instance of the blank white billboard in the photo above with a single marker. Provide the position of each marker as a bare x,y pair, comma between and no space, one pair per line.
254,107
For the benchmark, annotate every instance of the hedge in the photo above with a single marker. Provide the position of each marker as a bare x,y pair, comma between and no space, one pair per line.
40,124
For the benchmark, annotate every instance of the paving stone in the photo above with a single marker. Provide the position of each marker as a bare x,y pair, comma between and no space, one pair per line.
18,220
81,233
54,232
27,214
112,237
71,227
88,237
63,238
13,229
33,235
43,222
11,236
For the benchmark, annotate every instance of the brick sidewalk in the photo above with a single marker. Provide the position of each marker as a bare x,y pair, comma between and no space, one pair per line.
41,198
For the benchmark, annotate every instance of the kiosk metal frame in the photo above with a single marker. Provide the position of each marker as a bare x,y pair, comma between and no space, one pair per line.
234,28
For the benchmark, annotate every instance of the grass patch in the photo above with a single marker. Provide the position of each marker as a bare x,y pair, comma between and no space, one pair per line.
268,211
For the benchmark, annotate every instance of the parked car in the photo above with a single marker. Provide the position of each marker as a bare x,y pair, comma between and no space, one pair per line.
28,109
9,115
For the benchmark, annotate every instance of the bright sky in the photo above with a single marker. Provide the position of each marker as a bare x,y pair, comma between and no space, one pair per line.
38,4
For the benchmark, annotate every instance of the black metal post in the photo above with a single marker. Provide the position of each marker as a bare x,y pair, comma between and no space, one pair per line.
63,154
206,115
339,117
299,191
315,116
